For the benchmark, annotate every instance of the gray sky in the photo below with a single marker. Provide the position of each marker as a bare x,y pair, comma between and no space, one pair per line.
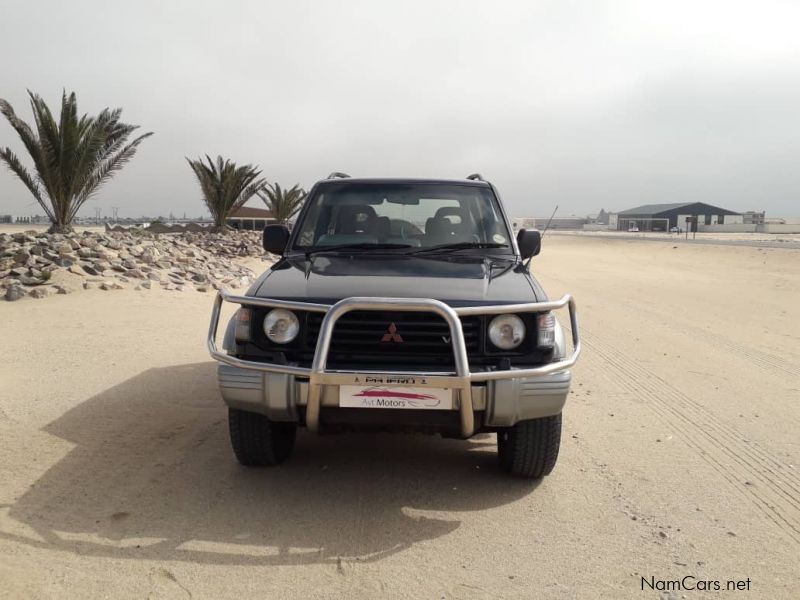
583,104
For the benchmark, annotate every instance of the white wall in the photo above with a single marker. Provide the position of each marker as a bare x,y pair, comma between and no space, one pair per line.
701,219
749,228
727,228
778,228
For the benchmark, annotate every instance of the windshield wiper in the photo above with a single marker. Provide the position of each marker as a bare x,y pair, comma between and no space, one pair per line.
458,246
359,246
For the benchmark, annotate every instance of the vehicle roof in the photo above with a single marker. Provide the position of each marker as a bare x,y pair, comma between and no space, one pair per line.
379,180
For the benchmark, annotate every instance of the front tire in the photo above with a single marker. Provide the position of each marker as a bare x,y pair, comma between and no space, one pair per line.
530,448
259,442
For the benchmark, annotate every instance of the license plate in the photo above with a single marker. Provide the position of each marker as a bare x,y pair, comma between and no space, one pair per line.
382,396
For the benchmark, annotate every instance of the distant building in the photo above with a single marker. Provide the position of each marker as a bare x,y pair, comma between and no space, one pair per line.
542,222
663,217
250,218
6,219
752,217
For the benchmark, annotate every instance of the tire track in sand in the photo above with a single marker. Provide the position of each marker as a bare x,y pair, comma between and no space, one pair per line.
761,359
772,485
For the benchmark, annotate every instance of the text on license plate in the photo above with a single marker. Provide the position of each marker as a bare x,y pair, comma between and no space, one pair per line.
382,396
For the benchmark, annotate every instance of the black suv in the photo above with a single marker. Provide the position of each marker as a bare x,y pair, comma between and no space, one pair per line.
398,304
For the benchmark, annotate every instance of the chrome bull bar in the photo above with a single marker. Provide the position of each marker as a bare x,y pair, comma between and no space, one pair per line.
460,380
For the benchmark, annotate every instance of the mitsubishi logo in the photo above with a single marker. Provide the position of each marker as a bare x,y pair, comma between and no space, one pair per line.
391,335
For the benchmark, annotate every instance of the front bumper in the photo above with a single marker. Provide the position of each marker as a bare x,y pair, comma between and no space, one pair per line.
505,397
502,402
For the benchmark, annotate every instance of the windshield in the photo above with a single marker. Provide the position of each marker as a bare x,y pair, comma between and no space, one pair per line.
402,216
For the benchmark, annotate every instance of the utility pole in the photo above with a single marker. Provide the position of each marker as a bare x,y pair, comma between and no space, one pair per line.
115,211
97,211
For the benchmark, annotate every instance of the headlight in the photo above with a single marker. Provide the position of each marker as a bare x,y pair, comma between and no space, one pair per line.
506,331
281,326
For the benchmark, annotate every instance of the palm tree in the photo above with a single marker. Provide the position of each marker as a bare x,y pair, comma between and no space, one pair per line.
225,186
72,158
283,203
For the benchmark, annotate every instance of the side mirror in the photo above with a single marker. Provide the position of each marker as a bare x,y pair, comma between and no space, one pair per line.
275,238
529,242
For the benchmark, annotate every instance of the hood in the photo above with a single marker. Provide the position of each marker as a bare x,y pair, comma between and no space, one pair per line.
329,278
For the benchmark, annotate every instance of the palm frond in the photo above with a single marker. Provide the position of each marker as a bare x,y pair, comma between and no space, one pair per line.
50,144
16,167
105,171
24,131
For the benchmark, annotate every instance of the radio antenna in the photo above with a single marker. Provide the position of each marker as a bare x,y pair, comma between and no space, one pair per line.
546,227
550,220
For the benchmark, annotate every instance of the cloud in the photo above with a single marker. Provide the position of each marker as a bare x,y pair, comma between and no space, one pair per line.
584,104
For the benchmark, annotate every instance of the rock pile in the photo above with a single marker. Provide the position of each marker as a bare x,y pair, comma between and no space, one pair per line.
108,261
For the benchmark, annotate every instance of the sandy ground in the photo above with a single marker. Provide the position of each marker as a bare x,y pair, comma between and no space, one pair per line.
679,457
763,240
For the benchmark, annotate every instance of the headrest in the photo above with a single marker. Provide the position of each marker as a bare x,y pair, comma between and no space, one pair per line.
356,209
348,221
437,226
447,211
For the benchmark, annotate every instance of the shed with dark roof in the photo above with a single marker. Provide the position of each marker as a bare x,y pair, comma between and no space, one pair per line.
685,215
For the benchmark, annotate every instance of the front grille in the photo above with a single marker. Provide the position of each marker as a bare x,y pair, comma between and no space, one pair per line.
357,343
361,332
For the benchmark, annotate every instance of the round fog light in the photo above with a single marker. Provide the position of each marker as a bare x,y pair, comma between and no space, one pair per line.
281,326
506,331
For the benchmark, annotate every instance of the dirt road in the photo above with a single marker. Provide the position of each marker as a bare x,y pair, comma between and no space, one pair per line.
680,454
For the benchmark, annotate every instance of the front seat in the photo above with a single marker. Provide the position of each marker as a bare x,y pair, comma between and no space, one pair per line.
438,231
355,224
457,229
358,218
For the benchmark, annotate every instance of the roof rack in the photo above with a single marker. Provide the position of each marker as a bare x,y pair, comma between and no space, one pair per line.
337,175
475,177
